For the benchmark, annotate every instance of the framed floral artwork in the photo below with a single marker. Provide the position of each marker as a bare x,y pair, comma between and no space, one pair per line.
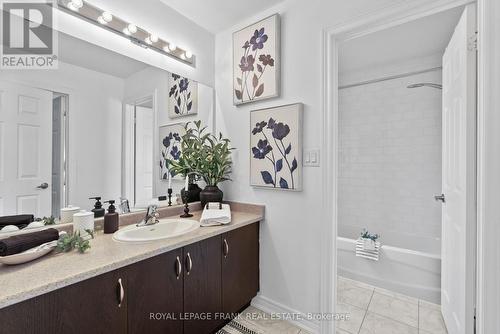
170,146
276,147
256,61
182,97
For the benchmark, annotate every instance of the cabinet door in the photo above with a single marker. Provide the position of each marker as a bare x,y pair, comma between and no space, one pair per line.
92,306
202,286
155,295
240,267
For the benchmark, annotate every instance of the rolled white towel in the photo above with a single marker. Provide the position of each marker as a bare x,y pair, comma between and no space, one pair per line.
213,215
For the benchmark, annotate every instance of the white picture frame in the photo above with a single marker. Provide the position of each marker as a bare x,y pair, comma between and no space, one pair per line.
257,61
182,96
170,146
276,147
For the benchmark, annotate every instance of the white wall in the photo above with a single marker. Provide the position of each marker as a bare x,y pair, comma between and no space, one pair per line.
95,107
291,234
390,161
156,17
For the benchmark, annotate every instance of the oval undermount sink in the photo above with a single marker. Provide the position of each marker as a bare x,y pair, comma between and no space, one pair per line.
166,228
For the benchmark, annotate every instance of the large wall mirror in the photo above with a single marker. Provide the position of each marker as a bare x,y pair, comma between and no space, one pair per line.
90,128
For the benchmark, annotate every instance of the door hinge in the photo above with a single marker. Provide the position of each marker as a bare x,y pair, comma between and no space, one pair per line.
472,43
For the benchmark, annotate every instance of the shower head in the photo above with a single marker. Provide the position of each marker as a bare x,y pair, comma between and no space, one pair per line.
425,84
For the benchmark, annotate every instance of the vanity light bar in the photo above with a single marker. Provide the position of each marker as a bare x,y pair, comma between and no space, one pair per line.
104,19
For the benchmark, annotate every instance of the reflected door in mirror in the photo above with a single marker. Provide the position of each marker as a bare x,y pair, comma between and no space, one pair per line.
25,150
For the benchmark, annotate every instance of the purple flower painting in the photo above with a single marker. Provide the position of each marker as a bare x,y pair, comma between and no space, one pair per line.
183,96
276,152
255,58
170,147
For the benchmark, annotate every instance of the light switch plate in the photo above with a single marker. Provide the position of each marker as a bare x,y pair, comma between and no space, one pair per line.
311,158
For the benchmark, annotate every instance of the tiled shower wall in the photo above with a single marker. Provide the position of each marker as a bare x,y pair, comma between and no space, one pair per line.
390,162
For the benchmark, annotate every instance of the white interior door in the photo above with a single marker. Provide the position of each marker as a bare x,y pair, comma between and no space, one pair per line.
143,155
459,178
25,150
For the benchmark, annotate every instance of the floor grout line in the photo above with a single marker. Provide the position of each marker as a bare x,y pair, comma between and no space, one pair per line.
418,314
366,311
399,322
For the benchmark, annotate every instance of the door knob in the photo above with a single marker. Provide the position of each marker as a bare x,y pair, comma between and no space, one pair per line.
44,185
440,198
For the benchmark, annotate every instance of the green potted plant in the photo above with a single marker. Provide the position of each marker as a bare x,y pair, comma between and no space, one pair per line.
192,143
216,167
206,156
369,240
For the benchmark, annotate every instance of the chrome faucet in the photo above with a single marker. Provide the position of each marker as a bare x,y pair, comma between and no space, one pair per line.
124,205
151,216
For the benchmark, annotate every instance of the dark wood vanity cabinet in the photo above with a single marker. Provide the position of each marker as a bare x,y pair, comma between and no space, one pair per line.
154,289
183,291
96,305
240,267
202,286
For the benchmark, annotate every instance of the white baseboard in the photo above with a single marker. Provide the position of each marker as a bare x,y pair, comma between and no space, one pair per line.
270,306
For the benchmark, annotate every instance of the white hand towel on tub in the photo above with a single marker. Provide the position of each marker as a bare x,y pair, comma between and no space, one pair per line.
214,215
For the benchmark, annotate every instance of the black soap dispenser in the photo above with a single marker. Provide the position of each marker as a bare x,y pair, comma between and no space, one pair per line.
111,218
98,209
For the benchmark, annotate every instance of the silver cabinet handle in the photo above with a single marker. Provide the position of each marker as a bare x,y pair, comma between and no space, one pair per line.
189,263
226,248
121,292
44,185
178,267
441,198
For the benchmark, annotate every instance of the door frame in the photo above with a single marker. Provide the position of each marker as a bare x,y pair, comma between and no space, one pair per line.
64,149
331,39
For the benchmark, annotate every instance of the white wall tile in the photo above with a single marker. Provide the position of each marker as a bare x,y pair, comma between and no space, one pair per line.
390,159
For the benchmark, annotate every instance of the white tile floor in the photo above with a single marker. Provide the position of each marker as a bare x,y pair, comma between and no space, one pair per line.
373,310
369,310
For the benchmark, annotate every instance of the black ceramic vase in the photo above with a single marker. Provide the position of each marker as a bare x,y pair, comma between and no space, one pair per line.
211,194
193,193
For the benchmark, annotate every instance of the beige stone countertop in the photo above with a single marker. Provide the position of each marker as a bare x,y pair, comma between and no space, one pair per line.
57,270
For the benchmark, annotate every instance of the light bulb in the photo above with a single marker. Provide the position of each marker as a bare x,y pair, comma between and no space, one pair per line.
189,54
153,38
126,31
132,28
183,56
101,20
172,47
107,17
72,7
166,49
76,3
148,40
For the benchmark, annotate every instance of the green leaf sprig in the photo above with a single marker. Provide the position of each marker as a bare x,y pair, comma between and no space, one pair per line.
47,220
204,155
69,242
367,235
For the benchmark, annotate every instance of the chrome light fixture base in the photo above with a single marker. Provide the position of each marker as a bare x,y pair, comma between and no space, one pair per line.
141,37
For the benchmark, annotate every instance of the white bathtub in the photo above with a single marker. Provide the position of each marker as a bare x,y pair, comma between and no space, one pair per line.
413,273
